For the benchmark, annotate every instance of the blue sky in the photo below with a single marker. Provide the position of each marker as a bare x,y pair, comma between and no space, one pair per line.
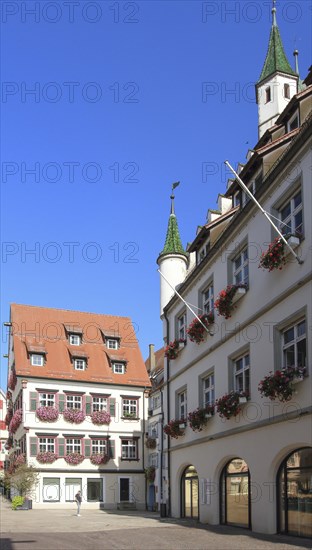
116,115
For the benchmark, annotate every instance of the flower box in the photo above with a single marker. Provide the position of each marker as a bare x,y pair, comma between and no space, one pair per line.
100,417
293,241
228,405
298,379
47,414
280,384
225,303
182,426
173,348
196,331
173,429
75,416
74,458
46,457
97,459
208,415
240,292
242,399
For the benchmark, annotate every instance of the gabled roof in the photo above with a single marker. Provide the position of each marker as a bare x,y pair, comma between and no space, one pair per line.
47,329
276,60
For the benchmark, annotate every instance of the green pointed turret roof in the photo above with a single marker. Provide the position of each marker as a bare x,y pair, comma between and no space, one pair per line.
276,60
173,243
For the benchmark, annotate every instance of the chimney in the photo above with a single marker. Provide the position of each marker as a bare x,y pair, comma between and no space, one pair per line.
151,357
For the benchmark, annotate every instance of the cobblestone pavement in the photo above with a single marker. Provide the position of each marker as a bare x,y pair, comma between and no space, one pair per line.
101,530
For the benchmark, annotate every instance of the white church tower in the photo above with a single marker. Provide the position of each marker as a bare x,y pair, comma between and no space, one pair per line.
172,261
278,82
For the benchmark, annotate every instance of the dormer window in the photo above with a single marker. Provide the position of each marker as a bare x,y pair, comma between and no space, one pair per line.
80,364
293,122
112,343
37,359
75,339
267,94
118,368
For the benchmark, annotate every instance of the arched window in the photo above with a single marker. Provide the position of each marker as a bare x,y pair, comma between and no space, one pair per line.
235,494
294,490
189,493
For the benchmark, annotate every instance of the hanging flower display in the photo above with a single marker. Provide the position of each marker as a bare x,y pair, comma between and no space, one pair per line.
196,331
274,257
20,459
8,416
74,458
174,428
199,418
46,457
229,405
150,443
280,384
98,459
75,416
47,414
12,380
224,303
172,350
9,443
150,473
16,421
100,417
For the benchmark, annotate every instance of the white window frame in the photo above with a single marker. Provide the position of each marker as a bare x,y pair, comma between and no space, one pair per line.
99,403
79,363
181,326
47,399
99,446
287,224
208,299
241,272
294,342
130,406
182,404
47,444
73,445
208,388
129,449
111,341
241,373
35,359
75,339
153,430
74,401
118,368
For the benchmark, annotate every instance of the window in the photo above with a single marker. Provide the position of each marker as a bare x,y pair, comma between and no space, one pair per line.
182,404
208,390
46,444
240,268
99,404
74,402
153,430
202,253
72,486
181,326
130,407
95,490
207,298
51,489
241,374
294,345
80,364
119,368
291,215
99,446
129,449
153,460
293,122
156,401
267,94
37,360
74,339
47,399
286,91
112,344
237,198
73,446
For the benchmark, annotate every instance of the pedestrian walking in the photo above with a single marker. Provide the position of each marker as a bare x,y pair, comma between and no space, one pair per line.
78,499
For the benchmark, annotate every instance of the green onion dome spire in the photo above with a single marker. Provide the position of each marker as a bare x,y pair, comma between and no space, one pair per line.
173,243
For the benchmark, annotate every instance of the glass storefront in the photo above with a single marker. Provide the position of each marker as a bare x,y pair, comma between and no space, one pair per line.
190,493
235,494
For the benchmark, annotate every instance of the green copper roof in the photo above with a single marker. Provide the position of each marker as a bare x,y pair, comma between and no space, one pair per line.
276,59
173,244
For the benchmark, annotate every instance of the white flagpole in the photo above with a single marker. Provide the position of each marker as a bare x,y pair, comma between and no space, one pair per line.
263,211
187,305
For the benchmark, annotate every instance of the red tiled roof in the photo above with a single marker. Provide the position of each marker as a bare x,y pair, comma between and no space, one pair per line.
46,327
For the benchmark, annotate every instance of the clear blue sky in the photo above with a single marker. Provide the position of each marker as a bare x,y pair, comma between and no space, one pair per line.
116,117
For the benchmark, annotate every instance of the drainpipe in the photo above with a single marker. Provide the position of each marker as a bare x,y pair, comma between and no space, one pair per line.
168,418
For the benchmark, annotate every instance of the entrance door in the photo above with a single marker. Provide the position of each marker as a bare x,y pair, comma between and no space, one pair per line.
235,503
124,489
190,493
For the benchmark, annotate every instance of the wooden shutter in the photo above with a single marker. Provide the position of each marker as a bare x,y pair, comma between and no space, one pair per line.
88,404
61,400
33,401
111,446
112,403
61,446
87,447
33,446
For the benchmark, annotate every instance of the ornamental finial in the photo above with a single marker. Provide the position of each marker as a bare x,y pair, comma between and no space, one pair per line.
174,185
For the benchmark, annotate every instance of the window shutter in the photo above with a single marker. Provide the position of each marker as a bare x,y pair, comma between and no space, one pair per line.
112,403
87,447
88,404
33,446
61,446
33,401
111,444
61,401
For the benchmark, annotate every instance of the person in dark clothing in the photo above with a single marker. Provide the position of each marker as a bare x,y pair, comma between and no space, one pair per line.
78,500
